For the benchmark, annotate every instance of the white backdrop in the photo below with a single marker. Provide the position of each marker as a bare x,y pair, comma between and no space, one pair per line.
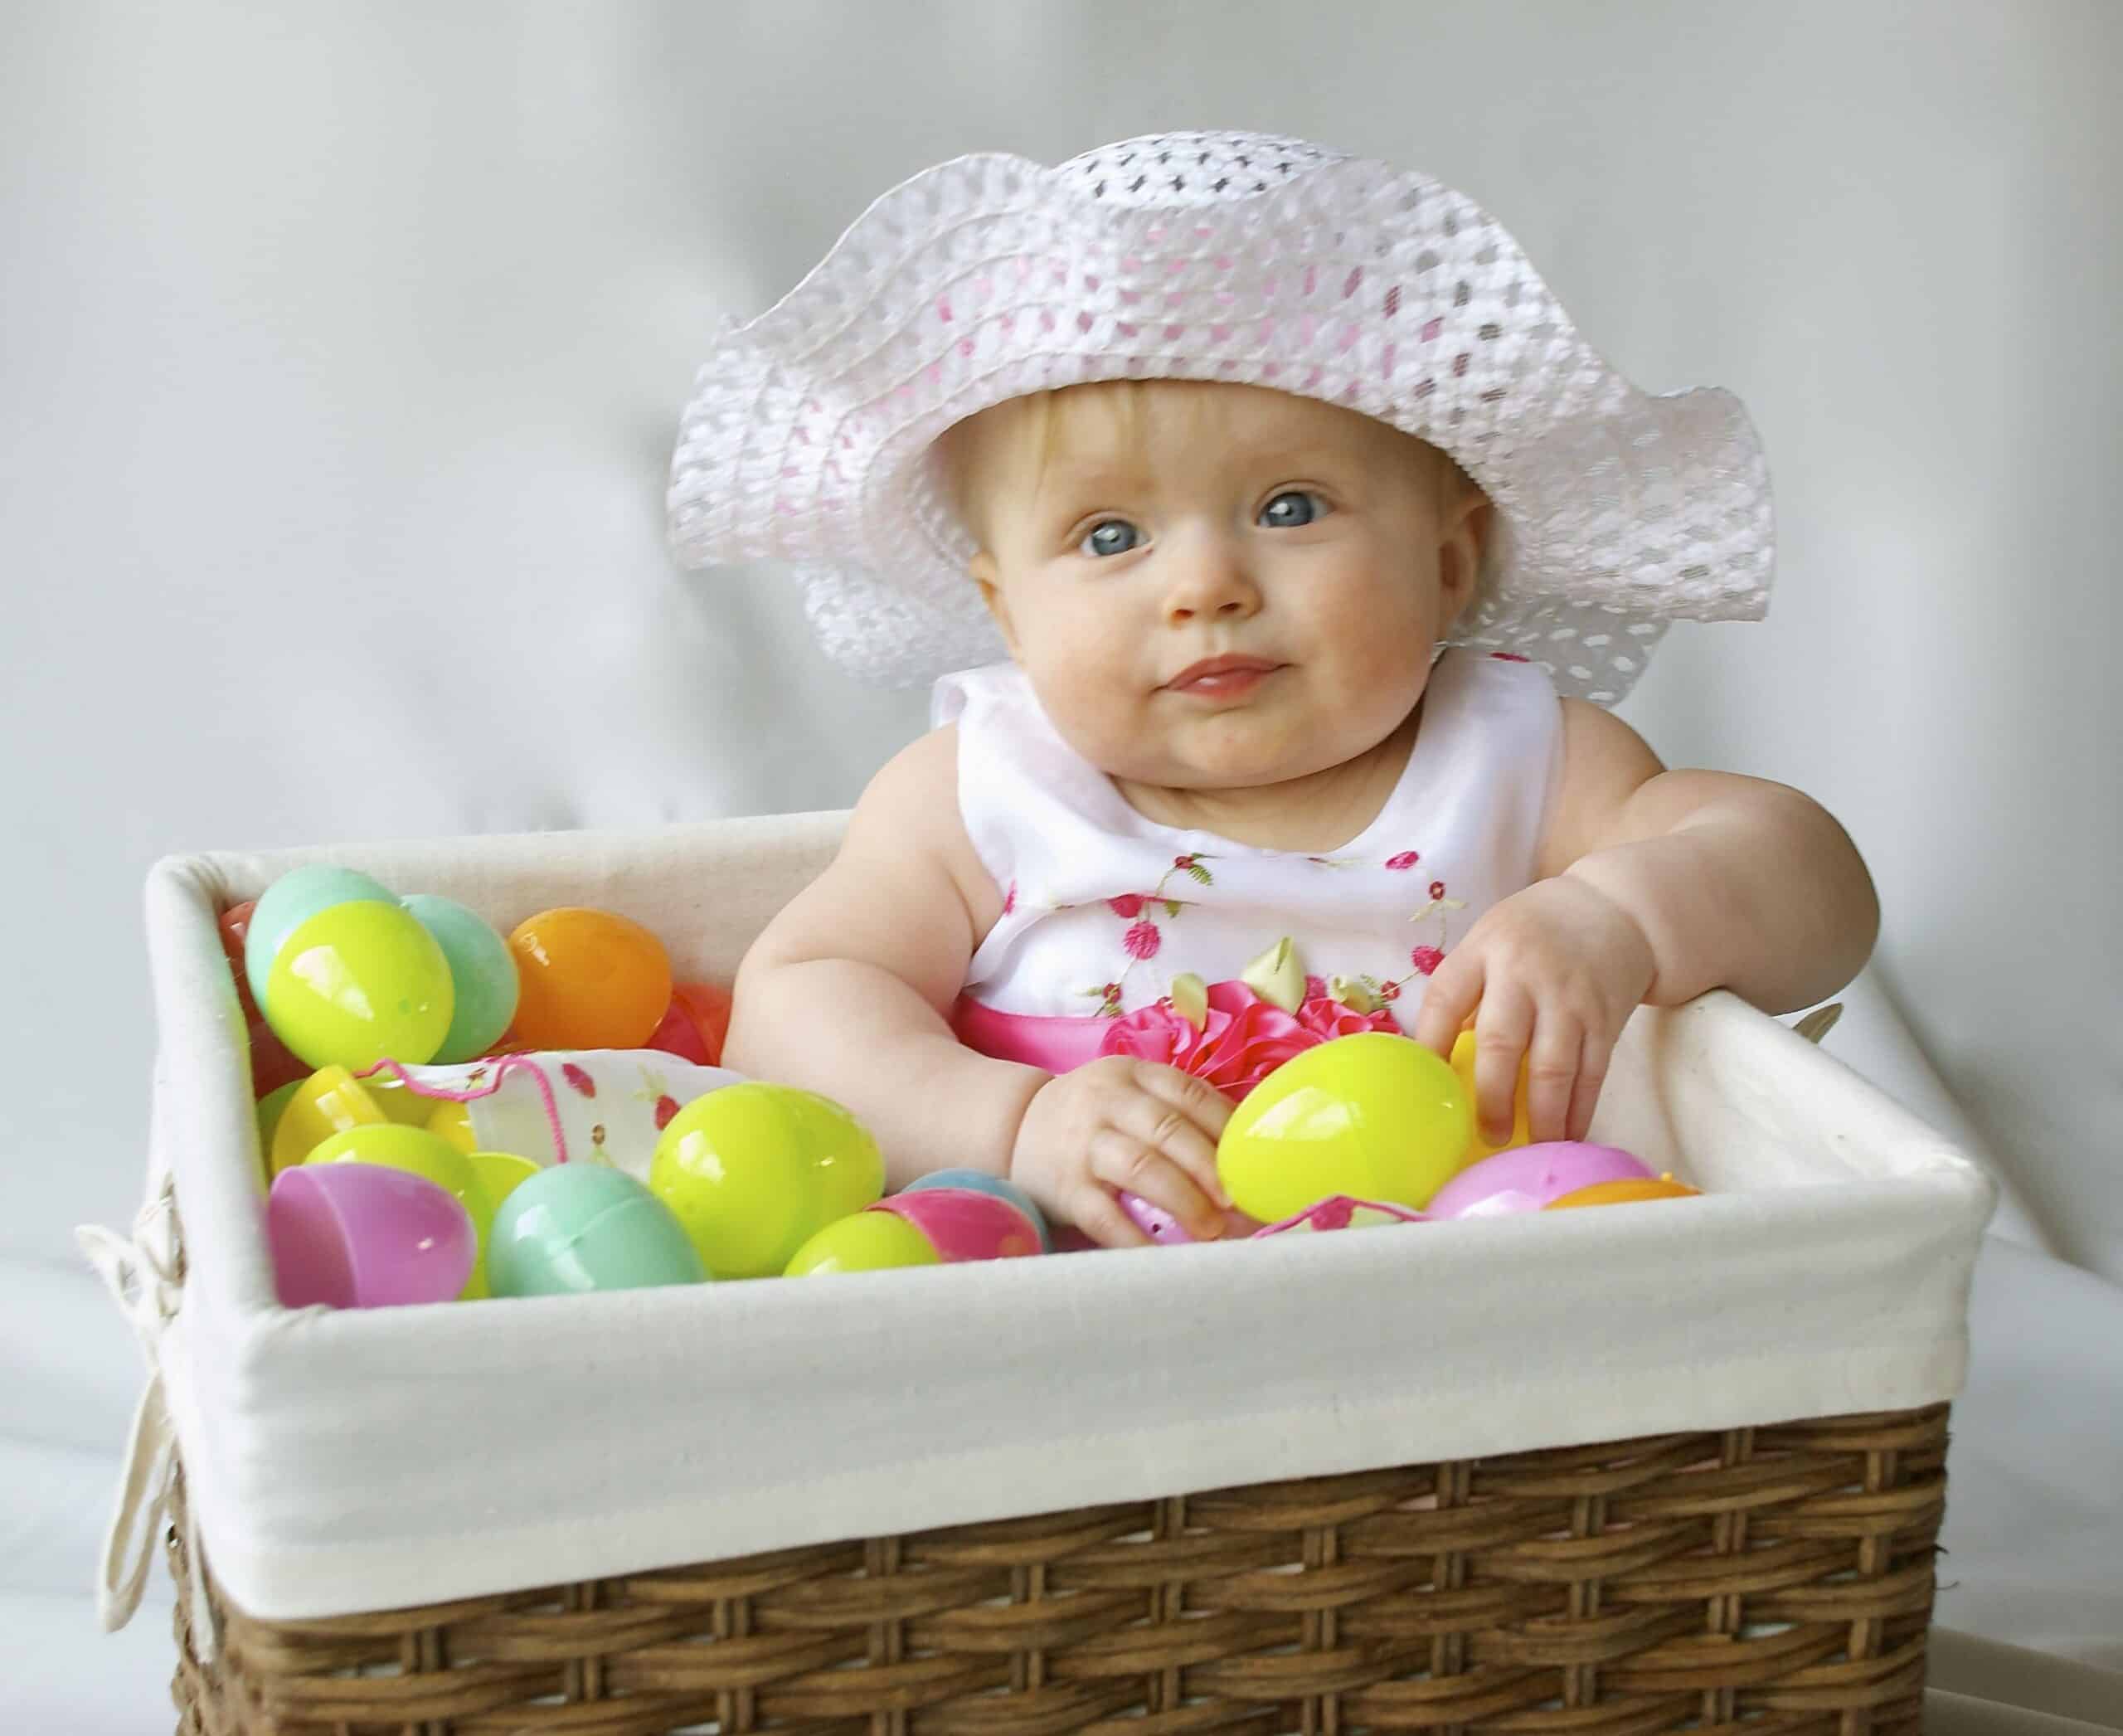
341,350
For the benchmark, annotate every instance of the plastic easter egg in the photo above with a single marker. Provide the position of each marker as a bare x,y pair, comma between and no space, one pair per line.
964,1224
1153,1221
398,1101
291,901
582,1227
234,923
1373,1115
867,1242
1625,1192
417,1152
754,1171
1167,1231
695,1023
359,1236
330,1101
1526,1178
482,974
268,1110
981,1182
272,1063
500,1173
358,984
453,1122
589,980
1522,1130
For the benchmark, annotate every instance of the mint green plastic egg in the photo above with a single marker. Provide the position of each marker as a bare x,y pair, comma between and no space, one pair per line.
581,1227
482,975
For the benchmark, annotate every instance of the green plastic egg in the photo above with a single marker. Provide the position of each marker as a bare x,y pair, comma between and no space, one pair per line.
481,974
1372,1115
357,984
291,901
582,1227
754,1171
867,1242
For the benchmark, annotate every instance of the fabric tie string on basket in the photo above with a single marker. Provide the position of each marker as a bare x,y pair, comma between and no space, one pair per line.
144,1273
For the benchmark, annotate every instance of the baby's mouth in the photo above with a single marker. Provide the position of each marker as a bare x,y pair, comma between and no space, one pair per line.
1223,678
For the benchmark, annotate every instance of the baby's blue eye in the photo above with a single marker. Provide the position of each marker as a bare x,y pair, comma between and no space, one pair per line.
1116,537
1290,509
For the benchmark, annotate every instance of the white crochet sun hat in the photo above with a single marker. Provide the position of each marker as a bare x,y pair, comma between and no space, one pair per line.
1232,256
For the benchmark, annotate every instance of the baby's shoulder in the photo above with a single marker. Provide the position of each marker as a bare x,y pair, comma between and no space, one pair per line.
1602,762
908,817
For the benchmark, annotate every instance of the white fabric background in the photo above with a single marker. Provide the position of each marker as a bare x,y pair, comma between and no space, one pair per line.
341,350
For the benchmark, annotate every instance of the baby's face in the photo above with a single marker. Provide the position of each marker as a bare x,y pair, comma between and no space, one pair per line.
1132,535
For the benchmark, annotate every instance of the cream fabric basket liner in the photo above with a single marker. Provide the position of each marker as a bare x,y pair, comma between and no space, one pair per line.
345,1461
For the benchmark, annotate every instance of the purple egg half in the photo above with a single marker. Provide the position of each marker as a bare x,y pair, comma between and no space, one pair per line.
361,1236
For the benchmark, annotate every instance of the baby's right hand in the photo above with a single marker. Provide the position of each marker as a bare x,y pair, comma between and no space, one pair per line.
1120,1123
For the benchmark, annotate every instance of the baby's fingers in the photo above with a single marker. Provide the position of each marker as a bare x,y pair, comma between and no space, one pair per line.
1098,1214
1552,1066
1122,1160
1502,1031
1449,1001
1183,1117
1585,1096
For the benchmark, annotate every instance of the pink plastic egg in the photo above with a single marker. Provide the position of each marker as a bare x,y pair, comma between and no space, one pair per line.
1527,1177
1167,1231
961,1224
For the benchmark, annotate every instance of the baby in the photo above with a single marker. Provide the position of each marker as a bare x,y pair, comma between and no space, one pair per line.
1318,543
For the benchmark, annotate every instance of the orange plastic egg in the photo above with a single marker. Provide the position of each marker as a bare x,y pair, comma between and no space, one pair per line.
591,979
1621,1193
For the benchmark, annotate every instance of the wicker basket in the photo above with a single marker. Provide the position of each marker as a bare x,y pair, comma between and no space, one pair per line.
1512,1579
1777,1578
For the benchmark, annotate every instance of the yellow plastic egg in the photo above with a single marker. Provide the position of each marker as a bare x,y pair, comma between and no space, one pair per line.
1521,1132
453,1122
754,1171
500,1173
330,1101
360,983
1372,1115
867,1242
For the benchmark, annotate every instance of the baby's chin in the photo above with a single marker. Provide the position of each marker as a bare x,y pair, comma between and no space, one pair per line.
1223,764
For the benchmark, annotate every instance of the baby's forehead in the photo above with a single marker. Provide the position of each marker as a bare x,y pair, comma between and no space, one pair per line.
1132,430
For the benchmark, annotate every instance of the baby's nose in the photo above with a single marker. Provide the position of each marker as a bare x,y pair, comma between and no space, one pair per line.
1210,581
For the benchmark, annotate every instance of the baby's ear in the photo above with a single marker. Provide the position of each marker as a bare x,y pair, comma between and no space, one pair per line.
1462,537
987,576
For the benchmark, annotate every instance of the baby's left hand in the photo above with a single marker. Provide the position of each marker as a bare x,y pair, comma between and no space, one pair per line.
1556,970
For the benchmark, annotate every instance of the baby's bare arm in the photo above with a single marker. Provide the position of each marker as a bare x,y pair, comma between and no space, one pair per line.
1737,883
1653,887
846,991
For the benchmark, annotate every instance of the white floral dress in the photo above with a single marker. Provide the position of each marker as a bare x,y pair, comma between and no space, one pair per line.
1104,911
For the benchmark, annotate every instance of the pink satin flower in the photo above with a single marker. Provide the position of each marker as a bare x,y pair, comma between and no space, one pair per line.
1245,1038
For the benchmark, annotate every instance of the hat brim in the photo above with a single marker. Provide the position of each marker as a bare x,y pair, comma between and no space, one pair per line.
807,437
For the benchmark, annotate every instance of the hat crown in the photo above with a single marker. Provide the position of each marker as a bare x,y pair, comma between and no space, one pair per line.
1191,168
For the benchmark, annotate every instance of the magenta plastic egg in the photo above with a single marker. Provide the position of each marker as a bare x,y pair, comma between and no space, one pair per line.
962,1224
1527,1177
361,1236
